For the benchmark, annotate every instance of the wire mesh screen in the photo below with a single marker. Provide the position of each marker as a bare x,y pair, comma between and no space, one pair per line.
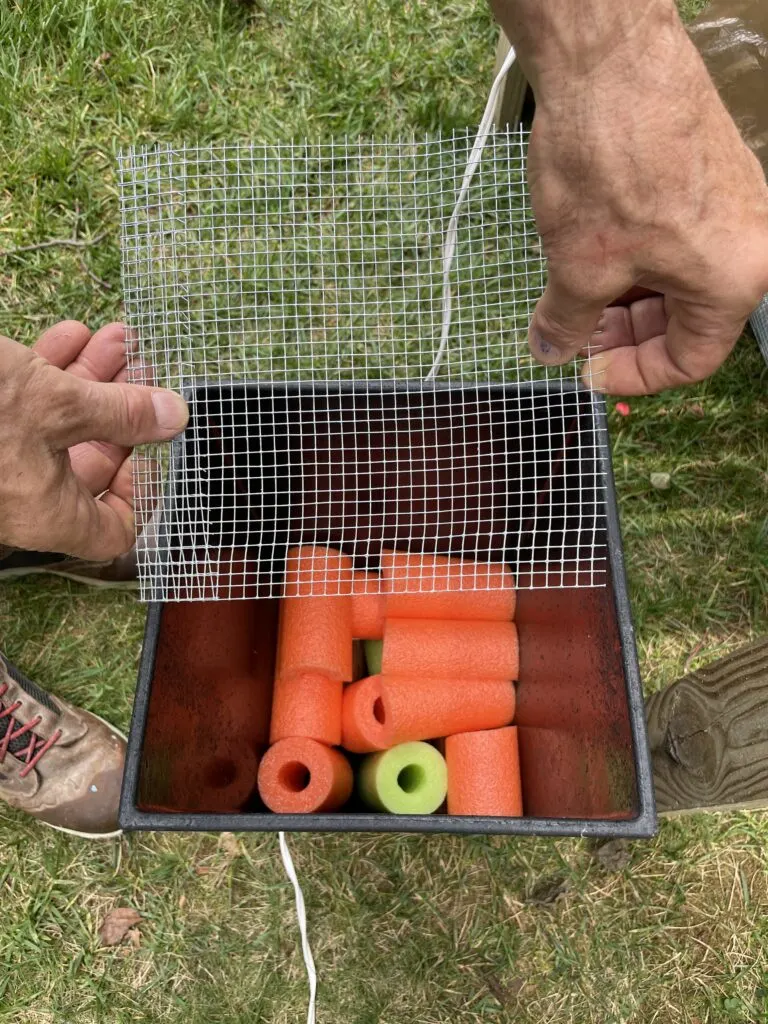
296,295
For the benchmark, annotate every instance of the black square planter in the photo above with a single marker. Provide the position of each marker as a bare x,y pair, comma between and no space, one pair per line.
515,473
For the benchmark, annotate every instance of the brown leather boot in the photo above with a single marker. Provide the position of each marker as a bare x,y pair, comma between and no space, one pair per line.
58,763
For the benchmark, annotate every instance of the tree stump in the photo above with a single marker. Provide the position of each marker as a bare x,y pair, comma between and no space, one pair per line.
708,735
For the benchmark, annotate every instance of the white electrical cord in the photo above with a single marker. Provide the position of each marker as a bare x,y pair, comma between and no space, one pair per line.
449,243
449,252
301,914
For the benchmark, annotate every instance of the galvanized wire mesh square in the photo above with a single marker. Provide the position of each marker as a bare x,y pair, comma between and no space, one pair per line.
295,294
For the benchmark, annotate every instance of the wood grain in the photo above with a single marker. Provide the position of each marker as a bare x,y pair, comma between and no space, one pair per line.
708,735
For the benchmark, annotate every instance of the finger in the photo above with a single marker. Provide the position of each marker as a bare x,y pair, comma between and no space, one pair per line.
629,325
122,484
146,487
679,357
111,531
649,319
62,343
138,372
95,463
103,357
562,324
123,414
88,528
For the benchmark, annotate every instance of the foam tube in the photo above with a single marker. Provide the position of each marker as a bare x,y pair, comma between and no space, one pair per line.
397,709
302,776
408,779
362,727
315,633
450,650
307,705
368,606
484,773
317,572
218,780
453,588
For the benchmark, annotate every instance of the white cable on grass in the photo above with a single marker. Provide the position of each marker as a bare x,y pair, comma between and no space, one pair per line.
301,914
449,251
449,243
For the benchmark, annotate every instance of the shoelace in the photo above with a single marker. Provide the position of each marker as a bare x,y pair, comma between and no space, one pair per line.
36,747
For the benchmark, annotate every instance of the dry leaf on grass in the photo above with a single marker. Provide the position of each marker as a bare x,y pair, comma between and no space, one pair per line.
117,924
230,845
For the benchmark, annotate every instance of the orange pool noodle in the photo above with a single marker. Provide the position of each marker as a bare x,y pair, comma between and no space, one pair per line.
362,730
315,633
484,773
302,776
368,606
461,589
464,651
413,708
317,572
307,705
220,781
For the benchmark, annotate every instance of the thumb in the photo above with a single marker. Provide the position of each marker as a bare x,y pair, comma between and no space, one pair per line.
562,324
684,355
122,414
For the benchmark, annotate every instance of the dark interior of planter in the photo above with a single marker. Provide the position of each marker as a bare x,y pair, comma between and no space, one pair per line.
464,473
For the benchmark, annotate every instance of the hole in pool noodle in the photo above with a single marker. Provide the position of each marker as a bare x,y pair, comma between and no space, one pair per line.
411,778
294,776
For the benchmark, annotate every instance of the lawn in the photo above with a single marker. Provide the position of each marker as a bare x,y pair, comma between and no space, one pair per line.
404,929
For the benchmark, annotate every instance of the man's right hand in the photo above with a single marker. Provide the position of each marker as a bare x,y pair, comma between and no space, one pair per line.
638,176
78,503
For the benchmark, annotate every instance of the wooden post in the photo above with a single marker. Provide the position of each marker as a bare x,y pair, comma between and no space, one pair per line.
509,104
708,735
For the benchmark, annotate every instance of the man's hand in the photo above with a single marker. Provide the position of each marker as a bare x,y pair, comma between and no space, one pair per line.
66,438
639,177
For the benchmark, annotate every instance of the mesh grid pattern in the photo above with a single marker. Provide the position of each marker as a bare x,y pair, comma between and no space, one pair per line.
294,293
759,323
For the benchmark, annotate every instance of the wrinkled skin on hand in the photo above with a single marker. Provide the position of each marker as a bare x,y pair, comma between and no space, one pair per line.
639,177
68,423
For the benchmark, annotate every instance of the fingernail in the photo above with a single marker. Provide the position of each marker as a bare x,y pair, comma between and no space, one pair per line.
601,325
171,411
593,373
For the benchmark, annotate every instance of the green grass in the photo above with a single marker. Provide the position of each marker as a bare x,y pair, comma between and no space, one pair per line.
404,929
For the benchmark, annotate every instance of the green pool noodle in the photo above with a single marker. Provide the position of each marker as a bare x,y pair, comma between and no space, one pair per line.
373,653
408,779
